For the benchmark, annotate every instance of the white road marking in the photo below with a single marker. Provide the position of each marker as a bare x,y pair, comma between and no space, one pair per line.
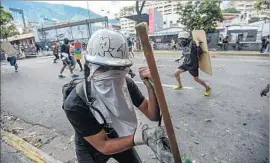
164,85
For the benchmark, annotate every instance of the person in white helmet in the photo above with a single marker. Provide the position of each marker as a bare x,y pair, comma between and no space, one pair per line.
108,128
191,54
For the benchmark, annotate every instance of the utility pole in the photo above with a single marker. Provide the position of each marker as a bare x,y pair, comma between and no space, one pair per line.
90,26
20,11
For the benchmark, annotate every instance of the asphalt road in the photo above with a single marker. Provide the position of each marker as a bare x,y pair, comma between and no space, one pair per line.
10,155
238,130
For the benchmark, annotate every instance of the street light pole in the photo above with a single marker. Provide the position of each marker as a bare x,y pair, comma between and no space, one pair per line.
89,20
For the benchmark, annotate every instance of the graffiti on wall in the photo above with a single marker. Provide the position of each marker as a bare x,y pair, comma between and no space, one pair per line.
80,32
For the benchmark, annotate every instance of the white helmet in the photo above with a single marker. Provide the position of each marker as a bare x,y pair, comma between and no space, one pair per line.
107,47
184,34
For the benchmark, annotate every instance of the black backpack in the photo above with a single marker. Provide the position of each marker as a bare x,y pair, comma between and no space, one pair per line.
80,86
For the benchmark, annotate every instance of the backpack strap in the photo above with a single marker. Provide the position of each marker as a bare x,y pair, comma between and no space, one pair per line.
82,93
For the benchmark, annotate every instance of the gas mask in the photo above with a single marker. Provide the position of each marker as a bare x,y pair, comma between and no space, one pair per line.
184,42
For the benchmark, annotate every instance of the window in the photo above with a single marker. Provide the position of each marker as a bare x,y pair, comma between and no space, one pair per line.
178,21
171,22
164,23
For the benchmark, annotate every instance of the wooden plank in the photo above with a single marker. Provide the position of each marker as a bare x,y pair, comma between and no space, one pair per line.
148,53
204,61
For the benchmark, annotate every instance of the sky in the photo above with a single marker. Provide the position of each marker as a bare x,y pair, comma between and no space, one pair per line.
99,7
102,7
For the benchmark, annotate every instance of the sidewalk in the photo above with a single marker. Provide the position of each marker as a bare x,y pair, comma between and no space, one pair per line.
228,53
43,144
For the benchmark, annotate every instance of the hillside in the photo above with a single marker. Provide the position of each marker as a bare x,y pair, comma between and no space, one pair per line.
34,11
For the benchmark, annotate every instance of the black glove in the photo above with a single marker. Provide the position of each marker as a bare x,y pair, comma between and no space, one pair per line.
265,91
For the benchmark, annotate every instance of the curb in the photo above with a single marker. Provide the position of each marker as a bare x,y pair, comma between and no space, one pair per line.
29,150
211,53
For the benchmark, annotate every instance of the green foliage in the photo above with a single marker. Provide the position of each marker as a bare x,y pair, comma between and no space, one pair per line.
253,19
200,15
263,7
6,28
5,16
231,10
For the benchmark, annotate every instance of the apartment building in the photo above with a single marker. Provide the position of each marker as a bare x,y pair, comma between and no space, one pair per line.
168,10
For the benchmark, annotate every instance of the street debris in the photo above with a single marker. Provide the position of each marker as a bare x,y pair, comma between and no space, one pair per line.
196,142
208,120
72,138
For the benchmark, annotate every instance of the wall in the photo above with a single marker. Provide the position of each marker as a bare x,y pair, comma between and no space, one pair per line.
80,32
244,46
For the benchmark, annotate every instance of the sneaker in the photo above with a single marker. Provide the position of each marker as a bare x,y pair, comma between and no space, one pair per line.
74,75
81,70
61,76
208,91
16,70
178,88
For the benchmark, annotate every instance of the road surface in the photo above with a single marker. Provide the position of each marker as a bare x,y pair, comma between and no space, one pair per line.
231,125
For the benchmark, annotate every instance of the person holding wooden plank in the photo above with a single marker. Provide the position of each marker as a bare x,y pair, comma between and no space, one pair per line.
106,127
191,54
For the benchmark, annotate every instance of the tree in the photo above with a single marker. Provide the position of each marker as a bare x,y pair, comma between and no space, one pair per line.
263,7
5,16
231,10
200,15
6,27
139,10
126,10
139,13
9,30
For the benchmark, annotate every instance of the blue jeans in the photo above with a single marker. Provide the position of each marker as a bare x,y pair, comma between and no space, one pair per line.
13,62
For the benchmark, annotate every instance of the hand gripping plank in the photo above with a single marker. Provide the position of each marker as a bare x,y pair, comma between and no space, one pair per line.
141,29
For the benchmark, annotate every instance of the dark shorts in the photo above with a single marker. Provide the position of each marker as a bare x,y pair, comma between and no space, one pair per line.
130,49
71,61
192,71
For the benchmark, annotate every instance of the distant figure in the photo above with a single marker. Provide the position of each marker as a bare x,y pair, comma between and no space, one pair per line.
134,44
173,45
264,45
67,59
13,62
76,52
225,42
130,46
37,48
10,53
55,53
268,44
237,44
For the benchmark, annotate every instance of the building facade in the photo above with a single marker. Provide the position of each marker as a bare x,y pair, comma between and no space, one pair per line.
167,9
